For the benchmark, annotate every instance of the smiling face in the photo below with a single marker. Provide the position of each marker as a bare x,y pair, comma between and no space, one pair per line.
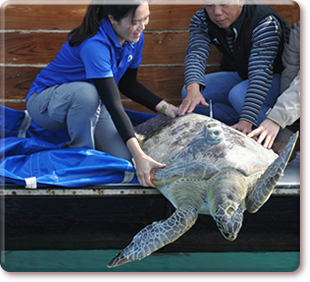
224,12
130,27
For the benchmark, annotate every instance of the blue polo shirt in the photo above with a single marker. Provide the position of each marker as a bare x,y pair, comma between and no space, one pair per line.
100,56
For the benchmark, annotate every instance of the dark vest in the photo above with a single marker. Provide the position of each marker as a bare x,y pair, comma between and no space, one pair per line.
250,16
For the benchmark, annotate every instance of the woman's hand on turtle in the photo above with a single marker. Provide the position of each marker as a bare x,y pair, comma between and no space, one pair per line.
143,165
142,162
172,111
169,110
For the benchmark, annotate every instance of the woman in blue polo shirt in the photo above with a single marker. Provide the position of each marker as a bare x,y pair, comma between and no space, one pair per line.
78,90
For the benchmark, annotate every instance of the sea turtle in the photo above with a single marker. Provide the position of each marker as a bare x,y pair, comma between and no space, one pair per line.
210,169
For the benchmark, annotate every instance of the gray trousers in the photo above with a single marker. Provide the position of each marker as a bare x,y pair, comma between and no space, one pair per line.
76,107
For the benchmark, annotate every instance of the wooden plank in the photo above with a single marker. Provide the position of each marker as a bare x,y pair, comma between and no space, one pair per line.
291,13
16,105
55,17
163,17
165,48
166,82
42,48
18,81
158,79
46,17
31,48
171,17
170,48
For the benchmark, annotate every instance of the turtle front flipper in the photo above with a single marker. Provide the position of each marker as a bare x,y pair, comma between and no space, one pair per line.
157,235
266,183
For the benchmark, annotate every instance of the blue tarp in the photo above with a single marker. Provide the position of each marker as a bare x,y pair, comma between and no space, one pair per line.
32,156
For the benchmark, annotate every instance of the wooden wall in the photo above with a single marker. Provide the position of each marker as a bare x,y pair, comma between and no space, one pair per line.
33,35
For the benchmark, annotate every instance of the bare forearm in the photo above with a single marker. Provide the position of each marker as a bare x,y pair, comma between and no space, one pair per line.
142,162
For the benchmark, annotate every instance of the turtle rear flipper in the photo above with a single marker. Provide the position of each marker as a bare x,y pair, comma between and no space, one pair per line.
157,235
266,183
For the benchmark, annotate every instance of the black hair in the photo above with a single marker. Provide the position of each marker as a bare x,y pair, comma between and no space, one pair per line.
92,18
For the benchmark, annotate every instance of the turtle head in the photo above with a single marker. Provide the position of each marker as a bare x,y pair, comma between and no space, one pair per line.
228,217
226,200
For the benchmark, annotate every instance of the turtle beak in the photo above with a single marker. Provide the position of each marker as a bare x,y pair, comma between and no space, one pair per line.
230,237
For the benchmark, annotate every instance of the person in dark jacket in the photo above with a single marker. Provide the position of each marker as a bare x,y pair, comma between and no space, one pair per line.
251,37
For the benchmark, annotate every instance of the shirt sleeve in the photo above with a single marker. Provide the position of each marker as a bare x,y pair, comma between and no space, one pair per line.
287,108
291,57
266,38
134,90
197,51
97,60
110,96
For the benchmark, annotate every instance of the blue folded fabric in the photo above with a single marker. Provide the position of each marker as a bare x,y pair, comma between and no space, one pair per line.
37,155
